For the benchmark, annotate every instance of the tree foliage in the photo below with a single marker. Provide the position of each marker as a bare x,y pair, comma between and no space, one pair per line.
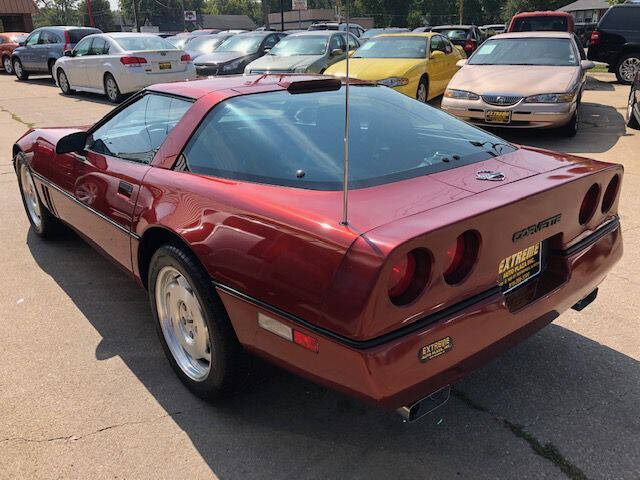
101,13
56,12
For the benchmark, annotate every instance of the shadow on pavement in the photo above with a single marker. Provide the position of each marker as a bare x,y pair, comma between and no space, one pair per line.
48,81
565,389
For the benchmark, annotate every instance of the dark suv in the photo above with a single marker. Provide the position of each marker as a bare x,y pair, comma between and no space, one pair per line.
616,41
44,46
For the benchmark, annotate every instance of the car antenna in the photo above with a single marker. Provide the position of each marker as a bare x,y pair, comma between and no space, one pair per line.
345,185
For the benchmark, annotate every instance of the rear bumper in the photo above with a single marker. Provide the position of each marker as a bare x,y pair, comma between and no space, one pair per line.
136,79
389,372
522,115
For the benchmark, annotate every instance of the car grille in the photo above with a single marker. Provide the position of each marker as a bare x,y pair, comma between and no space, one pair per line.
502,100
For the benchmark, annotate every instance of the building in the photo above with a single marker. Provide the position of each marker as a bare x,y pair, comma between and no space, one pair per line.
301,19
227,22
586,11
16,15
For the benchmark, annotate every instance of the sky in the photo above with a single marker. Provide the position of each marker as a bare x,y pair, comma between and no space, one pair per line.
114,4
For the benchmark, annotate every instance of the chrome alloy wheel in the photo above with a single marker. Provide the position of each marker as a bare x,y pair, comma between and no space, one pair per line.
630,106
30,195
112,88
17,67
183,324
63,81
422,92
8,68
628,68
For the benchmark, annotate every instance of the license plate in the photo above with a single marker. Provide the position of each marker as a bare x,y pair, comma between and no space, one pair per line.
165,65
497,116
520,267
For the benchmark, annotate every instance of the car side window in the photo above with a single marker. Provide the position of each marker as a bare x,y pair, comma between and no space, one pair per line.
338,42
82,48
448,46
33,39
271,41
138,131
437,44
353,42
48,38
98,46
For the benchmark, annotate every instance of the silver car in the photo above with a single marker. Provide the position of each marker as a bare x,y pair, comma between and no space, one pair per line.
521,80
305,52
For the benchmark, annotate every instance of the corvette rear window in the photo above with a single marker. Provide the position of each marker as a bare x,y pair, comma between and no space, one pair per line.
297,140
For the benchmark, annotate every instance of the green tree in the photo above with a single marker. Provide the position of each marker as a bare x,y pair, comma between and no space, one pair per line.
235,7
166,14
55,12
101,13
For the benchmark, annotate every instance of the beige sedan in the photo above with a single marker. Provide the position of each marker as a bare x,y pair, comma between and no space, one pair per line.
521,80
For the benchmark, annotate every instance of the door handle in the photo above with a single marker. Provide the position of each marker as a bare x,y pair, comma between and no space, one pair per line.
125,189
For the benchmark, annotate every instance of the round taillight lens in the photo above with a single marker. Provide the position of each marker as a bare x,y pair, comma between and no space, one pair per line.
589,204
408,276
462,256
610,193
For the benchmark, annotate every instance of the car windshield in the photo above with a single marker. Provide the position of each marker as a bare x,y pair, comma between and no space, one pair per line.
296,140
146,42
206,43
453,33
393,47
535,24
301,45
18,38
526,51
241,43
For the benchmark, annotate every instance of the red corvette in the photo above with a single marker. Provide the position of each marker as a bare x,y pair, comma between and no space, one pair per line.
223,198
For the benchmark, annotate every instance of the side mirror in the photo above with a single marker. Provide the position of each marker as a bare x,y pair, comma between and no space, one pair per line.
68,53
587,64
74,142
461,63
267,49
351,52
22,43
336,51
436,54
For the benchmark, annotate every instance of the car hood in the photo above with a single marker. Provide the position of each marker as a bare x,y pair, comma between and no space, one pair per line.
521,80
276,62
216,58
374,68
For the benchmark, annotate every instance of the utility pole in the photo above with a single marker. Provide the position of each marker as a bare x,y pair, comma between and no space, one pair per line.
135,16
461,10
265,14
282,15
91,22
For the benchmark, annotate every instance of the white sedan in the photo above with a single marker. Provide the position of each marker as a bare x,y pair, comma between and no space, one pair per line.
113,64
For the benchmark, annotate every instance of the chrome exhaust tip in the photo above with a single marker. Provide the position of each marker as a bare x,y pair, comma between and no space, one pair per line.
425,406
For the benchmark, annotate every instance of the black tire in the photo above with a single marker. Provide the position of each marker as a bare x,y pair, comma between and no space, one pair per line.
113,94
571,129
63,82
228,367
20,72
624,71
424,84
7,65
48,225
631,120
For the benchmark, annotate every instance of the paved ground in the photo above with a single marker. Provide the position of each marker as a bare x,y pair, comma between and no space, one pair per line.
85,391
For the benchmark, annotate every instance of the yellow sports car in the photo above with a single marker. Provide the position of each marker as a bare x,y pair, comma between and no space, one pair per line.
419,65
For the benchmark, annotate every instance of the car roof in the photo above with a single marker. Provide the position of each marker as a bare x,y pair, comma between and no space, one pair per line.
408,34
66,27
317,33
238,83
456,27
130,34
542,13
534,34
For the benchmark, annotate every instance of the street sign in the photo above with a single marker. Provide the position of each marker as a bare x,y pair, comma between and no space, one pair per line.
190,16
298,5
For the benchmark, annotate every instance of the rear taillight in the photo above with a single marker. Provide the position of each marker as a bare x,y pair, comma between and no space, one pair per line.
185,57
589,204
595,38
462,256
67,41
282,330
610,193
132,61
409,276
469,45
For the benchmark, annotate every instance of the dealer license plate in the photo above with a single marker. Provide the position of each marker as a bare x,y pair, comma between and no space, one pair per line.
520,267
497,116
165,65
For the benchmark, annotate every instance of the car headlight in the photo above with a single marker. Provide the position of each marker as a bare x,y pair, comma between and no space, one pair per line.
461,94
393,81
232,65
550,98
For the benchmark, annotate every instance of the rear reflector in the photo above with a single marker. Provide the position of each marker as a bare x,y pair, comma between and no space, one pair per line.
469,45
284,331
185,58
132,61
595,38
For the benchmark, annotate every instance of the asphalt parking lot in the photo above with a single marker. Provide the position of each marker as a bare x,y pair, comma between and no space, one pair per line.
86,392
